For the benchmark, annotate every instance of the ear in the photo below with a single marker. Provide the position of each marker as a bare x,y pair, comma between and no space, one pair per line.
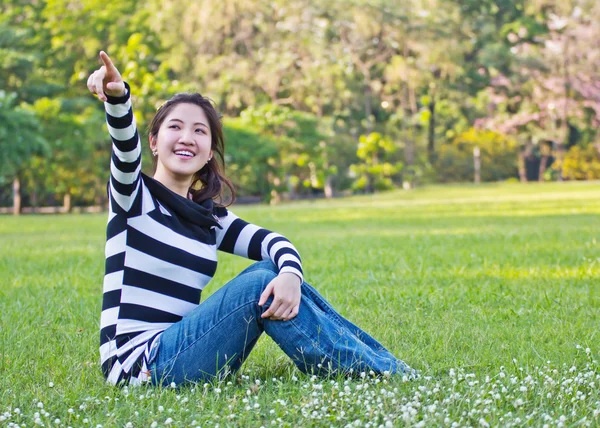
152,141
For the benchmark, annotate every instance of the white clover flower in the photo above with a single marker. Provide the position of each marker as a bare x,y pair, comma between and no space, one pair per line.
169,421
161,409
153,424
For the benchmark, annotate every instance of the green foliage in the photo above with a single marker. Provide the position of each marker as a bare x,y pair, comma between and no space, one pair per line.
498,155
298,143
21,136
378,166
582,163
249,157
312,76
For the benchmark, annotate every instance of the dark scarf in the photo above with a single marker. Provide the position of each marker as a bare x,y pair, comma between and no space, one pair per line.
200,216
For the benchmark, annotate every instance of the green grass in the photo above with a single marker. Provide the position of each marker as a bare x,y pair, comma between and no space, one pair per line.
491,291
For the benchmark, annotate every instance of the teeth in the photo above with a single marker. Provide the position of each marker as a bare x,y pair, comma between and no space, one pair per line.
184,152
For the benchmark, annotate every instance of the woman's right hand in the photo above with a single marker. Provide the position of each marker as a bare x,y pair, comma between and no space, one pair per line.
106,80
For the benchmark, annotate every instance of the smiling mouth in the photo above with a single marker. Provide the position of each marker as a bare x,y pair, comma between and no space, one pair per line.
184,153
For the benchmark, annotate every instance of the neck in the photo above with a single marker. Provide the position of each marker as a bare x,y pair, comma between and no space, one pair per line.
179,185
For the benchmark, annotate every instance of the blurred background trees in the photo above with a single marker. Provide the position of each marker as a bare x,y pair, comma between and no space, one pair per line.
318,97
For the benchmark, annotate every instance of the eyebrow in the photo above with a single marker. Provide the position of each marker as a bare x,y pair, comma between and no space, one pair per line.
179,120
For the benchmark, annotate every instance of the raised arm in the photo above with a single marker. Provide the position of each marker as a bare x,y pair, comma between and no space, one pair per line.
125,165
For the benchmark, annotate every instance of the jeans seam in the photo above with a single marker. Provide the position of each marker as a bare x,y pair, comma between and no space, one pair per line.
326,309
316,344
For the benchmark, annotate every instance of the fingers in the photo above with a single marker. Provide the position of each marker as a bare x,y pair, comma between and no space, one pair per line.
271,310
286,314
99,83
95,83
282,310
293,313
265,294
107,61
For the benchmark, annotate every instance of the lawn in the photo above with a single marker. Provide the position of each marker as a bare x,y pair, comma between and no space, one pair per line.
491,291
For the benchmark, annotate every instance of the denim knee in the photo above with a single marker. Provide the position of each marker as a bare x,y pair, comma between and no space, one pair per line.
257,276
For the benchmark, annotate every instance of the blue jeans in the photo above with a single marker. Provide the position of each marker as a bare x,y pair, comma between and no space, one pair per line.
217,336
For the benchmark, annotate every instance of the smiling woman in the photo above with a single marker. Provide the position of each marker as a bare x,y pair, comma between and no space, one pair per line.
163,234
184,136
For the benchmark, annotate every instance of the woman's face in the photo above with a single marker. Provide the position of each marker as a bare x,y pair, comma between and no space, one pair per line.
183,142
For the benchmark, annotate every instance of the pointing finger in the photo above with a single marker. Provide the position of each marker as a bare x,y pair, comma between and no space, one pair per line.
107,61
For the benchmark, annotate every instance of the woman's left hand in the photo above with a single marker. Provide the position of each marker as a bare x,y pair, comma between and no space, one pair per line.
285,289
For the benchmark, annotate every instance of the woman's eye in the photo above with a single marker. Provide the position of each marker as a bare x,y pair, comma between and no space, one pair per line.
200,130
174,127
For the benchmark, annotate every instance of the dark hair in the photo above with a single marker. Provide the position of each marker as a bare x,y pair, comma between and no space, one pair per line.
211,176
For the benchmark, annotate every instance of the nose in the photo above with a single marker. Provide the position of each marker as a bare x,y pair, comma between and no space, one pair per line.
186,137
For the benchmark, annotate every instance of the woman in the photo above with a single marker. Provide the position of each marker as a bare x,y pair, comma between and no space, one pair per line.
163,234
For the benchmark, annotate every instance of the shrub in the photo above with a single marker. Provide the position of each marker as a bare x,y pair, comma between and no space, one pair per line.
582,163
498,157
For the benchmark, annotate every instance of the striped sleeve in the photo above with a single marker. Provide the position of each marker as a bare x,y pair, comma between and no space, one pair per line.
248,240
126,160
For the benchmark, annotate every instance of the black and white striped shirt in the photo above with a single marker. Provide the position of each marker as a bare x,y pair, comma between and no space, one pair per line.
161,251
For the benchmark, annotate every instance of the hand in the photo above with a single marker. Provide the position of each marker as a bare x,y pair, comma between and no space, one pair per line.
285,289
106,80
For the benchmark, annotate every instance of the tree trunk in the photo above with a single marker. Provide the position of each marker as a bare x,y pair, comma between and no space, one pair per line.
431,136
34,201
290,186
522,167
67,203
560,153
328,187
477,165
543,167
16,196
368,108
409,142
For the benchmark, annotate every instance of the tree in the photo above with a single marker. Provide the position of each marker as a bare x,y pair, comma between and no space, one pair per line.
378,166
20,138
